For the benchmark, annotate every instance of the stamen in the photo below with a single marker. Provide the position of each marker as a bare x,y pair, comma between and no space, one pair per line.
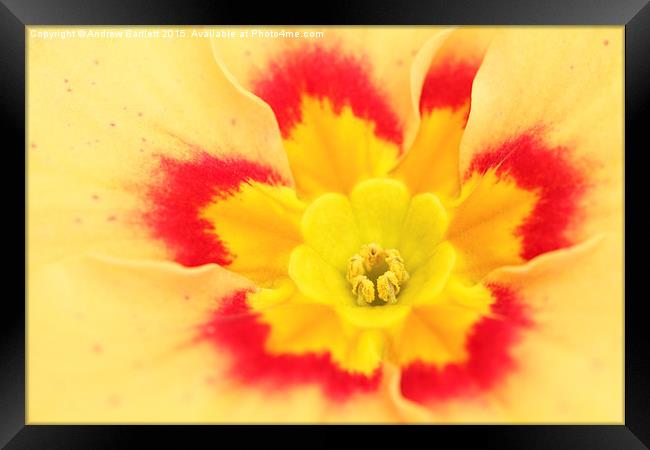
355,268
365,265
363,288
396,266
388,287
371,254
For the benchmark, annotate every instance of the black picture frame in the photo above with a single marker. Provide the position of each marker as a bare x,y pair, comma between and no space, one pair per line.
15,15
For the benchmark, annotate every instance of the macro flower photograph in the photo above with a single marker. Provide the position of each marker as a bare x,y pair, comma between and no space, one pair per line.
325,225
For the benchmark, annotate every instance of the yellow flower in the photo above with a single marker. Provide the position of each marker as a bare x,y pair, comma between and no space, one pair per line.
380,224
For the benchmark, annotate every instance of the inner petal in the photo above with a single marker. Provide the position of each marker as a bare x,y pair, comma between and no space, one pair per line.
422,230
379,206
429,280
316,279
330,228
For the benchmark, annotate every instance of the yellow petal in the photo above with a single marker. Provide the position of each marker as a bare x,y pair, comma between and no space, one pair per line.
428,280
330,228
422,230
114,341
570,364
344,101
436,334
299,328
331,151
280,341
102,111
484,227
564,87
317,279
379,206
259,225
431,163
111,340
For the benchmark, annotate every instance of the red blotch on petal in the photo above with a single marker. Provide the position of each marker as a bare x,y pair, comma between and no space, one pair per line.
488,360
325,74
548,172
235,327
448,85
183,189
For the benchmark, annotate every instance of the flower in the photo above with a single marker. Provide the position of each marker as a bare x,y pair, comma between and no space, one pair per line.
378,225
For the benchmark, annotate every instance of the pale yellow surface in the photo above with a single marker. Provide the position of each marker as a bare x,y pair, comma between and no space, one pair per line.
569,81
112,341
111,325
570,365
99,110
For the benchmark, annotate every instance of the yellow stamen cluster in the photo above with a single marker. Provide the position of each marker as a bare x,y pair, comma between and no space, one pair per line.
388,284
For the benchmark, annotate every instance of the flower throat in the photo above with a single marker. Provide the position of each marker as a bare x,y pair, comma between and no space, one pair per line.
376,275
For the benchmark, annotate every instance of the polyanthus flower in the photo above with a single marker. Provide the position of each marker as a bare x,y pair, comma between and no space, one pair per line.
374,225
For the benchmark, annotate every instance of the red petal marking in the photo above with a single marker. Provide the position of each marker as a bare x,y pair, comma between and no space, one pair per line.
546,171
184,188
489,360
325,74
448,85
237,328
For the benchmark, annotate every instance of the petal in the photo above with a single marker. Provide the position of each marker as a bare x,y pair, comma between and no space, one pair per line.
179,205
575,349
473,354
317,279
111,340
115,341
387,53
431,164
547,108
300,328
291,344
379,207
96,128
485,226
422,230
437,333
330,228
428,280
259,225
343,102
559,368
332,150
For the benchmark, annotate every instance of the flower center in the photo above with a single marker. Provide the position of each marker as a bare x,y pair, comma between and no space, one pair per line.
376,275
